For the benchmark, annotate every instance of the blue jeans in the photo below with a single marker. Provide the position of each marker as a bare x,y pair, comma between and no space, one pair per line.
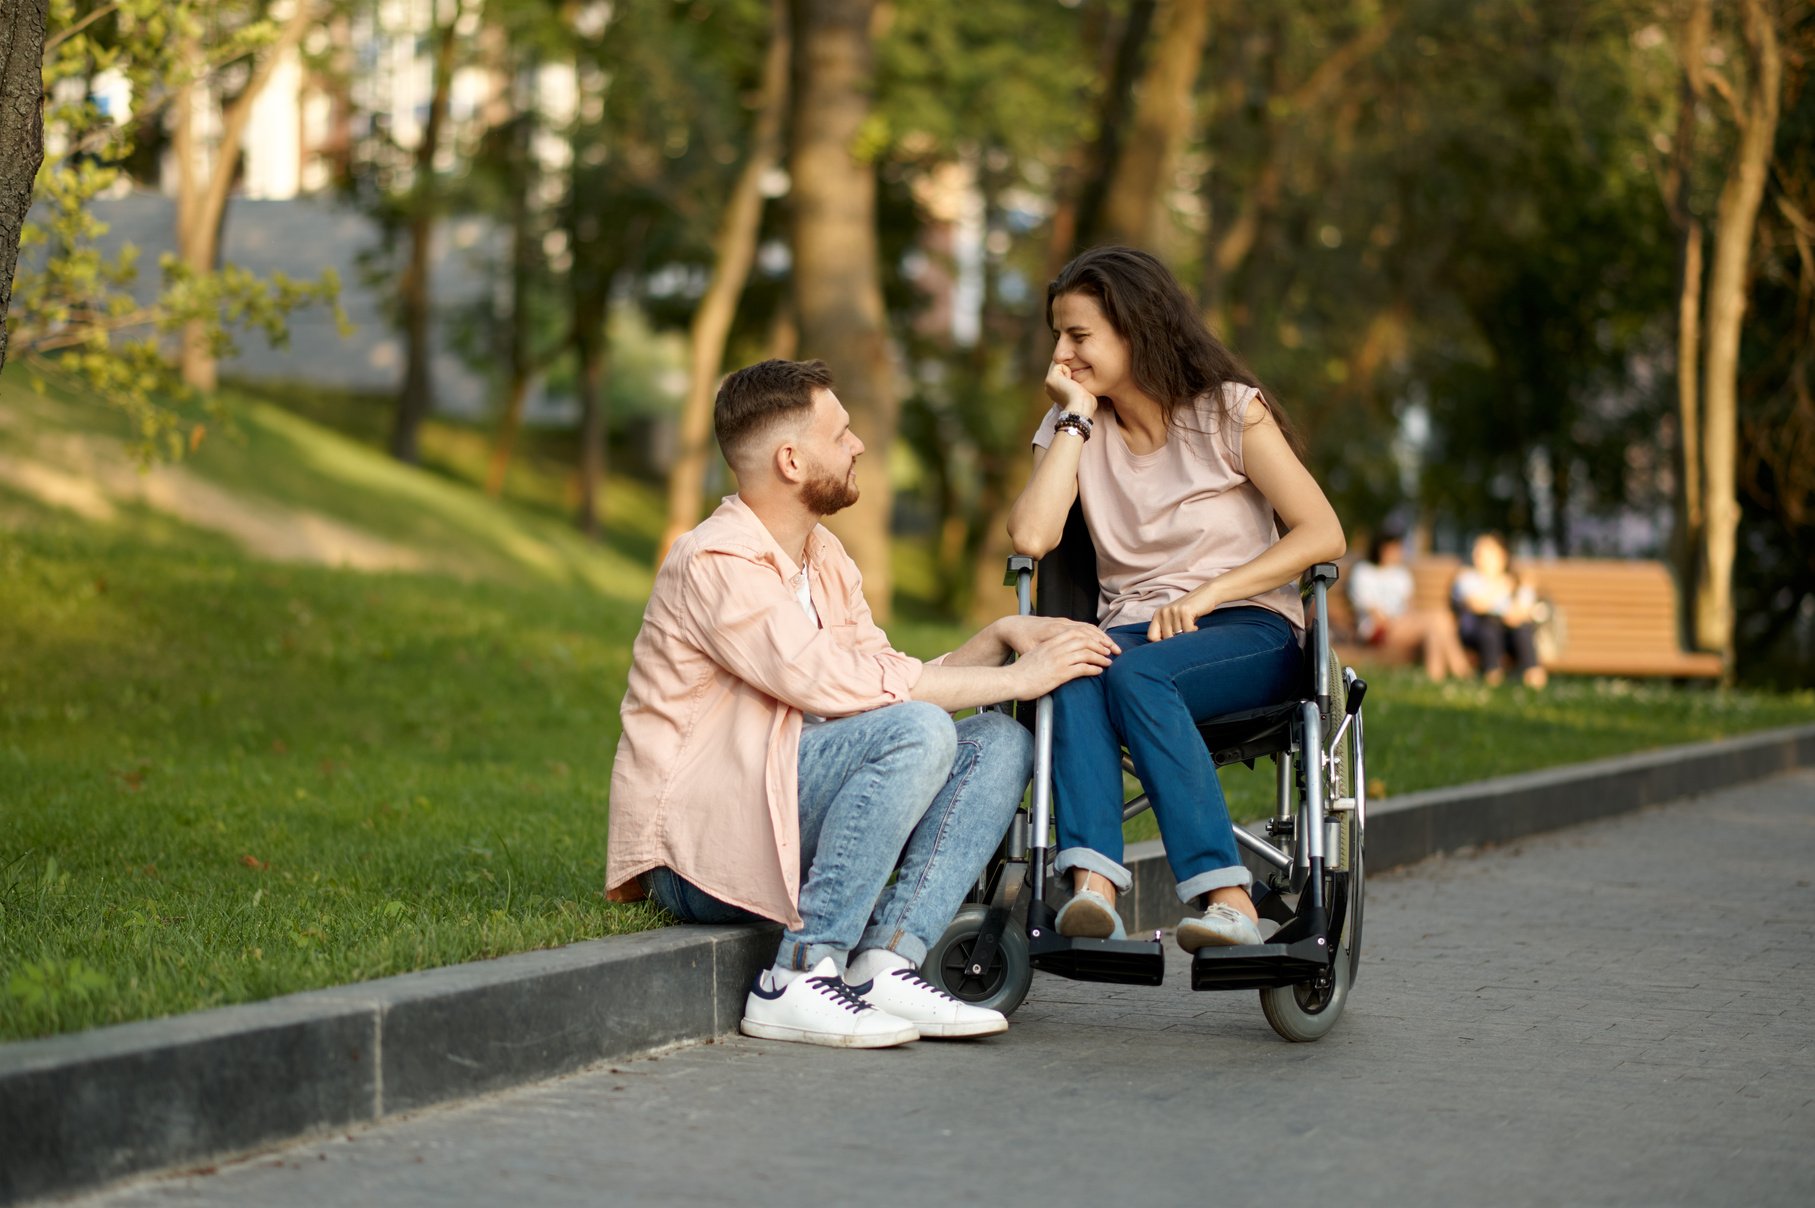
901,790
1150,700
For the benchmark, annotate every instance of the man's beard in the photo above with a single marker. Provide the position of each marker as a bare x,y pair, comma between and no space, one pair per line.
824,494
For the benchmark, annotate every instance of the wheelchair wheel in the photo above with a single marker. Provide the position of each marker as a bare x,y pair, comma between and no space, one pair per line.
1001,986
1307,1012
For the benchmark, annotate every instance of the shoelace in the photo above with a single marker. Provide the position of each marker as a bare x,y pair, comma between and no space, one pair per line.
913,978
842,995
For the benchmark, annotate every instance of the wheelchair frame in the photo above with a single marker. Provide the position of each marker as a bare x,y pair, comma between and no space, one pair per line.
1311,883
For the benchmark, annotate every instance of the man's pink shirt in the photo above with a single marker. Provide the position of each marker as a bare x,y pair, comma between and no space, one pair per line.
722,670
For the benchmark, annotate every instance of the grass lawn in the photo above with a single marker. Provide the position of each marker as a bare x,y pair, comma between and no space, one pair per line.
225,778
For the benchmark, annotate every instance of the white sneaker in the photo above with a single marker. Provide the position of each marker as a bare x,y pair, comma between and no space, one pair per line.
820,1009
1220,927
935,1013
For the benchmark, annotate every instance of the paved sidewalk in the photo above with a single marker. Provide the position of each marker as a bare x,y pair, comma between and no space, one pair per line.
1623,1013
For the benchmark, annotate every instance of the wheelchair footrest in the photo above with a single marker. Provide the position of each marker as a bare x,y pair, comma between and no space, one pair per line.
1127,962
1259,966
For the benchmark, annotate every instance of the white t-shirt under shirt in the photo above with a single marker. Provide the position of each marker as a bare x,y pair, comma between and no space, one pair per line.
1166,522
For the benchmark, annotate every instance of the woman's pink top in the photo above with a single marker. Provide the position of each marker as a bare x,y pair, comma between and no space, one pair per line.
1169,521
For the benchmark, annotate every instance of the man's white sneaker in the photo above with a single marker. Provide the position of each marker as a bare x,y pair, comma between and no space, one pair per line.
820,1009
938,1015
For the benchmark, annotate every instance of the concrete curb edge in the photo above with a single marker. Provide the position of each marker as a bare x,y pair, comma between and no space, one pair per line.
83,1110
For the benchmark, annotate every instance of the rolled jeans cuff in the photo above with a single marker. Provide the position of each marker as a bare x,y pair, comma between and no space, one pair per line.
904,944
1094,861
1217,878
801,956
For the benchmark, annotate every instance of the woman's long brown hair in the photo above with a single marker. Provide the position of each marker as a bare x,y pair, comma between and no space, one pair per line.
1175,358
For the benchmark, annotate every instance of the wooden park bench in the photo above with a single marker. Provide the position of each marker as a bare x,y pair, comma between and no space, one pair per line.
1615,617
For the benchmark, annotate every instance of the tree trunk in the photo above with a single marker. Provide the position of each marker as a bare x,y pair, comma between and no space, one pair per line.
1081,225
591,347
1162,120
1735,218
1692,40
519,356
734,250
837,280
202,197
416,397
1689,415
21,133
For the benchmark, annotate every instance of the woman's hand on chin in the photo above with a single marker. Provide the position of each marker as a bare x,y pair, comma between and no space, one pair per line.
1070,396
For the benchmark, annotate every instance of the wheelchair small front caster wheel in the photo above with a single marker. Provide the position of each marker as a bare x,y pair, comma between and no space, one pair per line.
1002,985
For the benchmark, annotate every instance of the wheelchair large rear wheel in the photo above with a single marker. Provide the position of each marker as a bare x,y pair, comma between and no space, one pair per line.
1002,985
1308,1011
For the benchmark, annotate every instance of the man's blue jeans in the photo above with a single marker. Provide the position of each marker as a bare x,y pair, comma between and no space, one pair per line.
901,790
1150,700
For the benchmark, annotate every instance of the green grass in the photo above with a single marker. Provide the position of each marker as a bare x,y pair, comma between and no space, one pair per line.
223,779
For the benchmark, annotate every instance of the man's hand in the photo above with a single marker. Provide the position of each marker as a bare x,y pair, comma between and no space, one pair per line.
1021,634
1181,615
1068,394
1073,651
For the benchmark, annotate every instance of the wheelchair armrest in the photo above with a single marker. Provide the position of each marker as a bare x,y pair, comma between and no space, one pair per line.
1018,565
1324,572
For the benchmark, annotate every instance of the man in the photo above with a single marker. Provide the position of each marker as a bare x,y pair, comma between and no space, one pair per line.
781,760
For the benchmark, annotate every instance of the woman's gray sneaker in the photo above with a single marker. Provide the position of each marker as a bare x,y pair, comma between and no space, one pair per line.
1220,927
1088,915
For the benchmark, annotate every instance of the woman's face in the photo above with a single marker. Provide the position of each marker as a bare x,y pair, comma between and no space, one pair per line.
1490,556
1089,347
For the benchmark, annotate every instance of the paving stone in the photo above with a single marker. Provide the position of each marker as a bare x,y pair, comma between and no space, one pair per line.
1539,1024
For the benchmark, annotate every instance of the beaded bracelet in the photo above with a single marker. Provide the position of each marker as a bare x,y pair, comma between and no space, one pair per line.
1071,421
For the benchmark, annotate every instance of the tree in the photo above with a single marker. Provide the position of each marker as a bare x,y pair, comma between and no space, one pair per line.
837,281
205,176
1162,120
734,251
1774,583
1752,102
21,133
422,205
75,313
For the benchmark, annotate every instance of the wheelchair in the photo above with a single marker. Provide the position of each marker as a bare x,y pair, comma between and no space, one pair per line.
1308,861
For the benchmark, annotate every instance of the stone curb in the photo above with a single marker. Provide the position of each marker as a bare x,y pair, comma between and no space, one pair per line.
82,1110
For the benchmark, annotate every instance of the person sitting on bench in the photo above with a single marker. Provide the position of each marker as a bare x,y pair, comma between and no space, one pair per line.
1182,466
1497,612
780,760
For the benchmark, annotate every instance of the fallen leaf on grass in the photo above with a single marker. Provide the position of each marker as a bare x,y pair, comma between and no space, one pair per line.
253,862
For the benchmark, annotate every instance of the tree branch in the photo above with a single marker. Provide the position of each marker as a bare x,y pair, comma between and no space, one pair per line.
1719,83
63,36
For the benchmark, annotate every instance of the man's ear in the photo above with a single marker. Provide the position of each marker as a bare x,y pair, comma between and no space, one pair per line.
790,465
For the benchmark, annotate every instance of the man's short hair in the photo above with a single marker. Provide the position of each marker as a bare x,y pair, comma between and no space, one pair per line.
752,400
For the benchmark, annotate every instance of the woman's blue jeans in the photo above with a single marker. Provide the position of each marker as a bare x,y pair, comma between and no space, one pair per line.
903,791
1150,700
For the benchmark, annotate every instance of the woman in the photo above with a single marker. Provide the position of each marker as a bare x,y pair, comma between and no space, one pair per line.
1381,591
1182,466
1497,611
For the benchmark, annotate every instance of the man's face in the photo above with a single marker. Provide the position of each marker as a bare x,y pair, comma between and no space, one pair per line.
831,450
